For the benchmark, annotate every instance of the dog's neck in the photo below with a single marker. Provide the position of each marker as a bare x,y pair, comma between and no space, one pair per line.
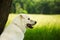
21,28
18,22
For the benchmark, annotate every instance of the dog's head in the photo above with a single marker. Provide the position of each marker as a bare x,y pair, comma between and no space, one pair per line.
27,21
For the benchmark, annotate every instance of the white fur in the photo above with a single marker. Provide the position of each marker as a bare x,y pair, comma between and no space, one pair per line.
16,30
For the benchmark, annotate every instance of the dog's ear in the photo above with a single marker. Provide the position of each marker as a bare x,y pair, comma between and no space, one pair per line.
21,16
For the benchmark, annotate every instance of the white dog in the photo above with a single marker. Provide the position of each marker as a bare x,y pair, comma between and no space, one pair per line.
16,30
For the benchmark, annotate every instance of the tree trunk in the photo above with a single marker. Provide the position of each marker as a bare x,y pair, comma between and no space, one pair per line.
4,12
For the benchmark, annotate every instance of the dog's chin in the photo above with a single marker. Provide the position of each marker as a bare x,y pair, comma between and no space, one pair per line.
29,25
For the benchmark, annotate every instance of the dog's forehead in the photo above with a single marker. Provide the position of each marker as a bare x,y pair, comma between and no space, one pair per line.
25,16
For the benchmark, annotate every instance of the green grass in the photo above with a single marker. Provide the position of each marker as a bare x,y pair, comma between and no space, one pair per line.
47,27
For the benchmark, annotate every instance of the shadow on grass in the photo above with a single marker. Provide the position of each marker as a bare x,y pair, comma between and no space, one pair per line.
43,33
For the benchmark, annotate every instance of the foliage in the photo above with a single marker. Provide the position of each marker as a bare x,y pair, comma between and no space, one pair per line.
36,6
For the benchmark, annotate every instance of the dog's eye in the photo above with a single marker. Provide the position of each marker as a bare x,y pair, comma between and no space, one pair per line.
28,18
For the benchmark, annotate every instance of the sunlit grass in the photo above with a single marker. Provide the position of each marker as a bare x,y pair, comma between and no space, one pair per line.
47,27
41,19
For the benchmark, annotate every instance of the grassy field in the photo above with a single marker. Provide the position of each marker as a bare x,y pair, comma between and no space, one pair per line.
47,27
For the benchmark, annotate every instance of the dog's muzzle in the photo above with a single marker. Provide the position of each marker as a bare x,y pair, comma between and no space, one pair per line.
30,25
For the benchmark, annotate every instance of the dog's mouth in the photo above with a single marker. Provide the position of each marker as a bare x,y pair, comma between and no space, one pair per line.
29,25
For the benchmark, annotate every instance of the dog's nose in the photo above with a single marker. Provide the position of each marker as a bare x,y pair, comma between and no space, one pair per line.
35,22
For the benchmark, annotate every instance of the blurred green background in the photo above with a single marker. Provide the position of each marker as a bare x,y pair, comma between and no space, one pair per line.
36,6
45,12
